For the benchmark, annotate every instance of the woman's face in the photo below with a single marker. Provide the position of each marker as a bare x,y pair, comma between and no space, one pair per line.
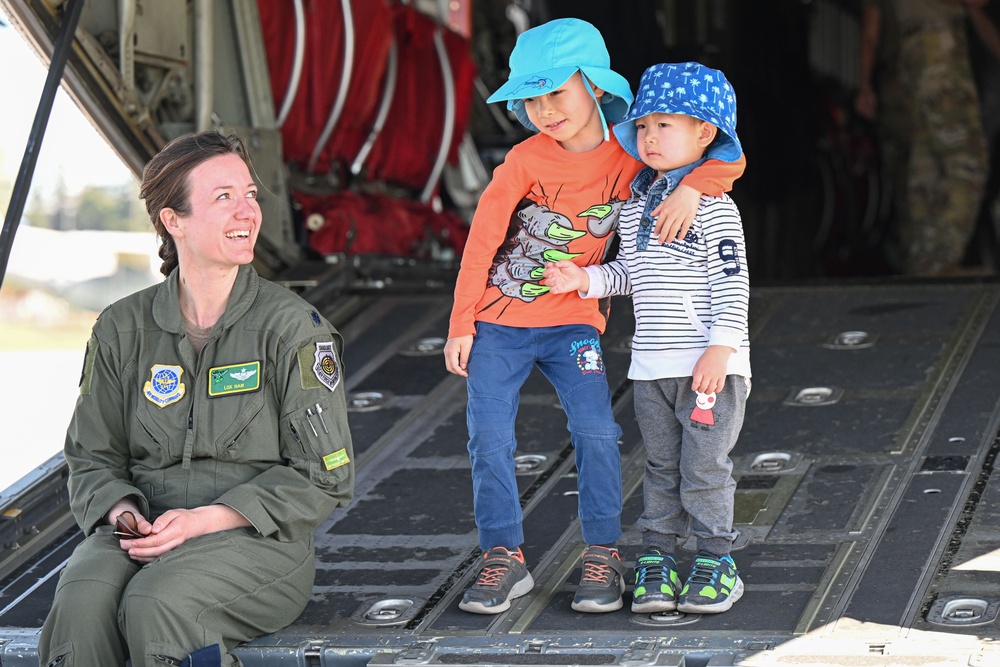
225,217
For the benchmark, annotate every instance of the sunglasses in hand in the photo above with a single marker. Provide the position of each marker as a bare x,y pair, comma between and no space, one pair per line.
127,527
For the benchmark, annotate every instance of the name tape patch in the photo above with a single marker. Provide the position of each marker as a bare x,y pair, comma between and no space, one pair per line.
234,379
336,459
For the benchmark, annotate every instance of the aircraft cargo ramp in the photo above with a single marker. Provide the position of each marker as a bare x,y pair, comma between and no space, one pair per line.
866,502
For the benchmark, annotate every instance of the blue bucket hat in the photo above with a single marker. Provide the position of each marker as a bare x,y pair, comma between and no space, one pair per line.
690,89
545,57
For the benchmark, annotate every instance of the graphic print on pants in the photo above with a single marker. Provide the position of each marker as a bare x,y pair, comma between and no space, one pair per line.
536,235
702,416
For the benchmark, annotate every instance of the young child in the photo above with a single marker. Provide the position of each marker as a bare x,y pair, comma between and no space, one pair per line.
690,352
556,196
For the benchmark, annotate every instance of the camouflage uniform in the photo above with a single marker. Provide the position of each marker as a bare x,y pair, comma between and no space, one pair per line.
932,132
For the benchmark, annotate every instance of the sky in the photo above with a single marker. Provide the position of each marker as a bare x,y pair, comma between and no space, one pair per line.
71,146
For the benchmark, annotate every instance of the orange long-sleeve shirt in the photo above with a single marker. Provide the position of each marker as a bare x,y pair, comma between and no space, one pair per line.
543,204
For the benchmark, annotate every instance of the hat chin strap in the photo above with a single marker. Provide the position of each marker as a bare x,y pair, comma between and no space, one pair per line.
600,112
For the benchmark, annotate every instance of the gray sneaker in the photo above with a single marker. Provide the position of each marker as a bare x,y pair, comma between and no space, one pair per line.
503,576
602,581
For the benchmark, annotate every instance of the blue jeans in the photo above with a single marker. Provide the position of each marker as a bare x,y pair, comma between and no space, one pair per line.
570,358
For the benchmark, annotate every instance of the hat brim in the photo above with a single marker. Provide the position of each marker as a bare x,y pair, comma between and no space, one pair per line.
614,103
726,146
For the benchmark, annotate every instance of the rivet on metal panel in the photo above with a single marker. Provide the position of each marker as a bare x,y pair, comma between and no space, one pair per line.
851,340
366,401
813,396
527,464
424,347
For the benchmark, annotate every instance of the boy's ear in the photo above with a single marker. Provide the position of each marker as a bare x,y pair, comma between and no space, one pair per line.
598,92
706,134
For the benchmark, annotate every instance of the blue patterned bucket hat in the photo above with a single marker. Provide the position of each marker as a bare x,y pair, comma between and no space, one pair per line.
690,89
546,56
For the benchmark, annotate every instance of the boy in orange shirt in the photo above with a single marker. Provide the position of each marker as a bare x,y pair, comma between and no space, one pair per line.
556,196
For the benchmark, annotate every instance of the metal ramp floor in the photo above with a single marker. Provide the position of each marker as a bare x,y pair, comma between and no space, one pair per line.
866,502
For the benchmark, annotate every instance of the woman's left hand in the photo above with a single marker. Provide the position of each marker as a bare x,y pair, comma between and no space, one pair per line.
175,527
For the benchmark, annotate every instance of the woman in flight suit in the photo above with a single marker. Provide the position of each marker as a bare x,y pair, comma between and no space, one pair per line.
212,421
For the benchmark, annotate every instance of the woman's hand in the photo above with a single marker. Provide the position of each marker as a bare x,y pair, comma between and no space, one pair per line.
175,527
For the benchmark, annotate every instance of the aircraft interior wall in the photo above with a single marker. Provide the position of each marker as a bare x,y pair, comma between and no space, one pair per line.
814,199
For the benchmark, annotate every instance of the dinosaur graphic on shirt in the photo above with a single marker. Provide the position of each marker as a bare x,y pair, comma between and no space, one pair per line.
537,235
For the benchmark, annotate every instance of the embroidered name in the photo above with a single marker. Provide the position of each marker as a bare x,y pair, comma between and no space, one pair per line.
234,379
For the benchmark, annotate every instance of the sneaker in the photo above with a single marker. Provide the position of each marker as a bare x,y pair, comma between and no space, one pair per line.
656,583
503,576
602,582
713,586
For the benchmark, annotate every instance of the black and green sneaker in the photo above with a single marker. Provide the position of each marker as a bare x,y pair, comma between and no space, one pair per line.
712,587
656,583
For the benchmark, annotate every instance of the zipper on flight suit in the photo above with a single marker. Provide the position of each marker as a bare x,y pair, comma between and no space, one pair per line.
188,441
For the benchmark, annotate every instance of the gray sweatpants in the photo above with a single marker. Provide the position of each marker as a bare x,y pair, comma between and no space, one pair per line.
688,469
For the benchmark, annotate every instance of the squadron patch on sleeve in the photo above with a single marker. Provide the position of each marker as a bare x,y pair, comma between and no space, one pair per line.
319,366
164,386
326,367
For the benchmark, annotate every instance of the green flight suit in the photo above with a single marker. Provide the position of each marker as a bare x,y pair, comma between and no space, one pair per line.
173,430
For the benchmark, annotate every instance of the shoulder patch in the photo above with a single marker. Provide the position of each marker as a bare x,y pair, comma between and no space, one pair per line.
319,366
315,318
87,374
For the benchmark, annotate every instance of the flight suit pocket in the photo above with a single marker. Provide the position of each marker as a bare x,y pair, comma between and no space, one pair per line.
148,440
240,440
61,656
316,446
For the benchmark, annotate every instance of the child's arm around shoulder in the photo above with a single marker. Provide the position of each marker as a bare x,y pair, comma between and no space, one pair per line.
675,215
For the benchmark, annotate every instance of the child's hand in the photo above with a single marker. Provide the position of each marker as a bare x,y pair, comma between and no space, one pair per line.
565,276
675,214
709,373
456,354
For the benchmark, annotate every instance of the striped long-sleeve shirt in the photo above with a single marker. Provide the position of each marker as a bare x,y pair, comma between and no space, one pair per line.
687,294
